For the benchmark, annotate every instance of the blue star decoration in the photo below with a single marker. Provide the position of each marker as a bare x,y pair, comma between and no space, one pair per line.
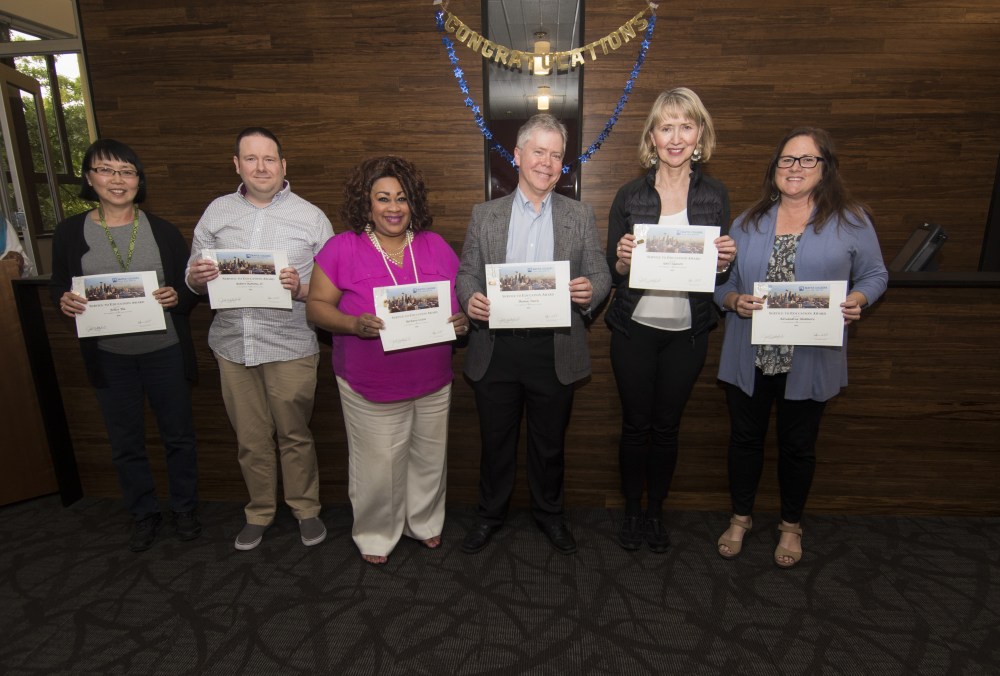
481,122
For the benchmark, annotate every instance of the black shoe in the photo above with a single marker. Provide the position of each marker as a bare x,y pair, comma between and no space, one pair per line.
630,533
187,525
144,532
656,536
478,537
560,537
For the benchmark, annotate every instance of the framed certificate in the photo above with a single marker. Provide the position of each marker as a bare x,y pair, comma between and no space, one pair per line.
674,258
528,295
248,279
118,303
414,314
799,313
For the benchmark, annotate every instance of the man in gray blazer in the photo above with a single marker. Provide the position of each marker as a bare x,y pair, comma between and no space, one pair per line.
533,370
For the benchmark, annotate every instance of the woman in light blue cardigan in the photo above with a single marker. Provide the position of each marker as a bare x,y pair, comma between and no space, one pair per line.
805,227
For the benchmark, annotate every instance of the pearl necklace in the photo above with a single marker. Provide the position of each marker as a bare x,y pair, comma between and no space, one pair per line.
386,256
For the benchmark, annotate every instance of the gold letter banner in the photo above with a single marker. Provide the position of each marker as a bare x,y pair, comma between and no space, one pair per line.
451,24
515,58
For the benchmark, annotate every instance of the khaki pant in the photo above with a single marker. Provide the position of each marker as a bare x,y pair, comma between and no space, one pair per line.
264,401
398,466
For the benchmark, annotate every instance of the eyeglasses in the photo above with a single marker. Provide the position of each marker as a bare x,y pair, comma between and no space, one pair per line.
108,172
806,161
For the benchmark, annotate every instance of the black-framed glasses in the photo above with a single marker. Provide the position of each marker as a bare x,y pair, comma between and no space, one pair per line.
805,161
108,172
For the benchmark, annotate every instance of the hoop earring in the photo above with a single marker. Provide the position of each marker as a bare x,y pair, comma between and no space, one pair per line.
696,155
775,196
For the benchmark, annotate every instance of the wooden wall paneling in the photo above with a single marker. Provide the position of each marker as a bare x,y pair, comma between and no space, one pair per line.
911,83
910,90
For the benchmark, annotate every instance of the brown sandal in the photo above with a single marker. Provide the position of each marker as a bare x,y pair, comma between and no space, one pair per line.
734,545
780,551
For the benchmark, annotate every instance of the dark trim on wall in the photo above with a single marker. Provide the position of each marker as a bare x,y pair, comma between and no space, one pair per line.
945,280
989,260
50,402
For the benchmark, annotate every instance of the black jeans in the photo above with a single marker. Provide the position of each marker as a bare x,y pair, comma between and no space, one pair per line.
159,376
798,426
655,371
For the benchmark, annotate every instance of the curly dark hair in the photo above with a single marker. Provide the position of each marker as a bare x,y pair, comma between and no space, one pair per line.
831,196
356,212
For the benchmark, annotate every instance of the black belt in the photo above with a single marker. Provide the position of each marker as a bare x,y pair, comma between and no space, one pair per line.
522,333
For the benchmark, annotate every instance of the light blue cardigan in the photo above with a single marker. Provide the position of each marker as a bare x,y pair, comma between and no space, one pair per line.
845,252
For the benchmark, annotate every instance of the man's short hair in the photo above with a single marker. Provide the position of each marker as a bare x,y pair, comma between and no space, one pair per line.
257,131
541,122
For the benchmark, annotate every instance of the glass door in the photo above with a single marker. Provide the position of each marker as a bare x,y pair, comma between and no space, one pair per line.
29,196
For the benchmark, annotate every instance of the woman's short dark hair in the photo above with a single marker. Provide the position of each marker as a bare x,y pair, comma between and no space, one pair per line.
110,149
357,210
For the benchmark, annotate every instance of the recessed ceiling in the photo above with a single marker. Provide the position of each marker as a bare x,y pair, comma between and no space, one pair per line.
513,23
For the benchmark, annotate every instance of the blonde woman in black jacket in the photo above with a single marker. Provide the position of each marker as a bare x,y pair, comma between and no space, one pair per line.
659,338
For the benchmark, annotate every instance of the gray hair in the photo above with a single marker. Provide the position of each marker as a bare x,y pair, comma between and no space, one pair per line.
541,122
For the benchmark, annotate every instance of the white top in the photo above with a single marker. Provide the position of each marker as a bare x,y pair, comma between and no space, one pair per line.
666,310
12,243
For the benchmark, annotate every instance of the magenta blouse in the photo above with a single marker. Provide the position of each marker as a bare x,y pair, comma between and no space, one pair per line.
356,268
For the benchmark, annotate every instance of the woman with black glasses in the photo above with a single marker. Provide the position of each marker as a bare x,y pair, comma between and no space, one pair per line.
804,227
127,368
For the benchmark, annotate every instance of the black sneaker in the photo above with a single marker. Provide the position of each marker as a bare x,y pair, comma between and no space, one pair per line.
187,525
656,535
144,532
630,533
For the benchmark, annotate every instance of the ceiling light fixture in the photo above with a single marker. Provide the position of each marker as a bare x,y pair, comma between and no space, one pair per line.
543,98
542,46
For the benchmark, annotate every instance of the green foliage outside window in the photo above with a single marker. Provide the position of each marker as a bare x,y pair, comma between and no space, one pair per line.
77,136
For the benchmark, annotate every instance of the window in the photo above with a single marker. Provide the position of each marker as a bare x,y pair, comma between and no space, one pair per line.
47,120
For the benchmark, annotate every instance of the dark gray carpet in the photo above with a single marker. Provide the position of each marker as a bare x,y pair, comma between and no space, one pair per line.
874,595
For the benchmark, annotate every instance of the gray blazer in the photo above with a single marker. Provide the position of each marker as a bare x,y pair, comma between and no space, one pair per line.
576,240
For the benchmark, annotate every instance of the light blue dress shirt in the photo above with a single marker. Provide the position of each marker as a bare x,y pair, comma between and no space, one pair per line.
530,238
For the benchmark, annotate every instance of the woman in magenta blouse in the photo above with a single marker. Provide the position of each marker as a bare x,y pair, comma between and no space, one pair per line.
395,403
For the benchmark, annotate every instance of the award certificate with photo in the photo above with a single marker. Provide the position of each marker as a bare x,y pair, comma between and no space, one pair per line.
414,314
528,295
121,302
674,258
799,313
248,279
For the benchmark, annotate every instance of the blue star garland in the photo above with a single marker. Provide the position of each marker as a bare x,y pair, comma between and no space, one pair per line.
449,45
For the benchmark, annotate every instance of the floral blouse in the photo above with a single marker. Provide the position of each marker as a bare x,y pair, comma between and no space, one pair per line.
775,359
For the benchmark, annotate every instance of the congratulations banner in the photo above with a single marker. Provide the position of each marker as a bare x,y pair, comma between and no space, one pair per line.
515,58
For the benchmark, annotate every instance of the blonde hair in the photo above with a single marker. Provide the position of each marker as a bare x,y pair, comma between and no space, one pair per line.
684,103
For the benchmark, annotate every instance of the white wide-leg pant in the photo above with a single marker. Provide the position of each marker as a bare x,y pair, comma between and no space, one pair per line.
398,467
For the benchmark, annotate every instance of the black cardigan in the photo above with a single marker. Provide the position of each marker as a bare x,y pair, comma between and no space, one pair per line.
638,202
68,248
